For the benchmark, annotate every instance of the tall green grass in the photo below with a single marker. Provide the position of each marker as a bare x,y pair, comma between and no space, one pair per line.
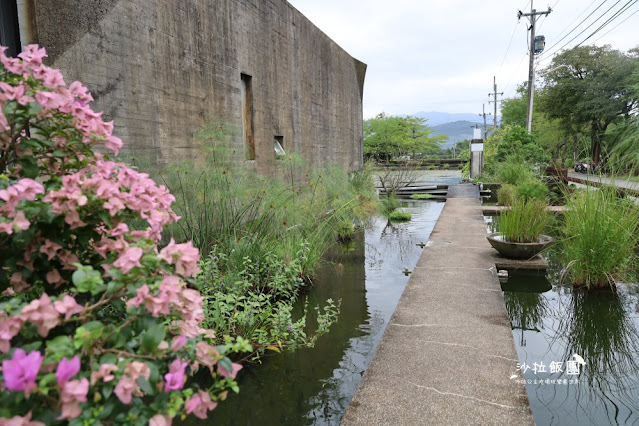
524,221
601,234
261,237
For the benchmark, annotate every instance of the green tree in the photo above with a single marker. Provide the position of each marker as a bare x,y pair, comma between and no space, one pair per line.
387,137
513,110
590,86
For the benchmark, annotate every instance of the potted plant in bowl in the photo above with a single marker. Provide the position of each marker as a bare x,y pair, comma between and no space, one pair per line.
521,229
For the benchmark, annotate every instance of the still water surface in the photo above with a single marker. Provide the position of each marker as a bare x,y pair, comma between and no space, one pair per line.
555,328
315,385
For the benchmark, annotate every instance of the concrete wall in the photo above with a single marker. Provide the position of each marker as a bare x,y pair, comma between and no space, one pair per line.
164,68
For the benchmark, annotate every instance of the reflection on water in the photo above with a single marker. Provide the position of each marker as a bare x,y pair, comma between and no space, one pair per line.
315,386
599,327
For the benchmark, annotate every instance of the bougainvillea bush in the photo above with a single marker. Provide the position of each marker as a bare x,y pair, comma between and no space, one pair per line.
97,325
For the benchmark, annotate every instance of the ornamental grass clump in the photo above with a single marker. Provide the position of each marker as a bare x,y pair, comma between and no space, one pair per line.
600,238
98,323
524,221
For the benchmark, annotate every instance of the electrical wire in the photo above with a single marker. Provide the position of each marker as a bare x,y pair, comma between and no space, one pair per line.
615,27
575,28
585,29
609,20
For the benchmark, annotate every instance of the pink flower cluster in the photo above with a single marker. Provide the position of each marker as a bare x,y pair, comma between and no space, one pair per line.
172,294
118,187
24,189
40,312
58,98
128,384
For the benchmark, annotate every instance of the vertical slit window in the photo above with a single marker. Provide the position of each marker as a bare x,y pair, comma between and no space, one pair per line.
9,29
247,116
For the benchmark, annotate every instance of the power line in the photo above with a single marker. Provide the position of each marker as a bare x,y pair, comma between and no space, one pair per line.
615,27
591,24
612,18
575,28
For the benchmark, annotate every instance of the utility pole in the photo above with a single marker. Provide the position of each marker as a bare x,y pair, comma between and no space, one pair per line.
494,94
484,114
532,17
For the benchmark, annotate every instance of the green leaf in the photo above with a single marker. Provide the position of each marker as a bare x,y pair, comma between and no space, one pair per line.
153,337
145,386
226,364
60,347
86,280
30,168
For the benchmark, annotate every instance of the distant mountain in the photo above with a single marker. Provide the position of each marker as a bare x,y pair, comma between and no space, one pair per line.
437,118
456,131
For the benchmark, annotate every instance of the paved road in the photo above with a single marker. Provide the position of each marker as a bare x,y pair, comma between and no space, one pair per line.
620,183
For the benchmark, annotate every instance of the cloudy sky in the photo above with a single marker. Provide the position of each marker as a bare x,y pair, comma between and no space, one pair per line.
442,55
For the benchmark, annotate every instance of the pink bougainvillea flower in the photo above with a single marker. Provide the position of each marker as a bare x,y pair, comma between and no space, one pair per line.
128,384
129,259
21,371
18,282
42,314
175,377
54,277
160,420
206,354
104,373
67,306
222,372
177,343
20,421
185,257
199,404
50,249
73,393
67,369
10,326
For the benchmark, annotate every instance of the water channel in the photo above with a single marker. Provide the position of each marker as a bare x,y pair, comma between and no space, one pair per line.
315,385
578,350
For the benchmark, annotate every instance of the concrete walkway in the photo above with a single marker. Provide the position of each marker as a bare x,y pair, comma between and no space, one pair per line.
619,183
447,354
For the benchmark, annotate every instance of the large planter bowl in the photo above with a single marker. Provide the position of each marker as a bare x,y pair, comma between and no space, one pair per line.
518,250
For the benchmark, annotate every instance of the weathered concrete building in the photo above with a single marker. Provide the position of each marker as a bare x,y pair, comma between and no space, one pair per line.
164,68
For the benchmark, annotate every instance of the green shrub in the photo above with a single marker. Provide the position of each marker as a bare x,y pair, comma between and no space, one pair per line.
400,216
446,166
533,189
514,173
506,194
601,234
525,221
421,196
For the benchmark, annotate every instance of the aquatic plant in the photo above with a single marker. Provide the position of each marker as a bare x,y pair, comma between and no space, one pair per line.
600,237
263,237
421,196
98,323
400,216
524,221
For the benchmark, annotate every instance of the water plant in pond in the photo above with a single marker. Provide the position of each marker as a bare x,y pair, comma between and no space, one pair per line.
263,238
98,322
421,196
400,216
600,237
389,204
598,327
524,221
